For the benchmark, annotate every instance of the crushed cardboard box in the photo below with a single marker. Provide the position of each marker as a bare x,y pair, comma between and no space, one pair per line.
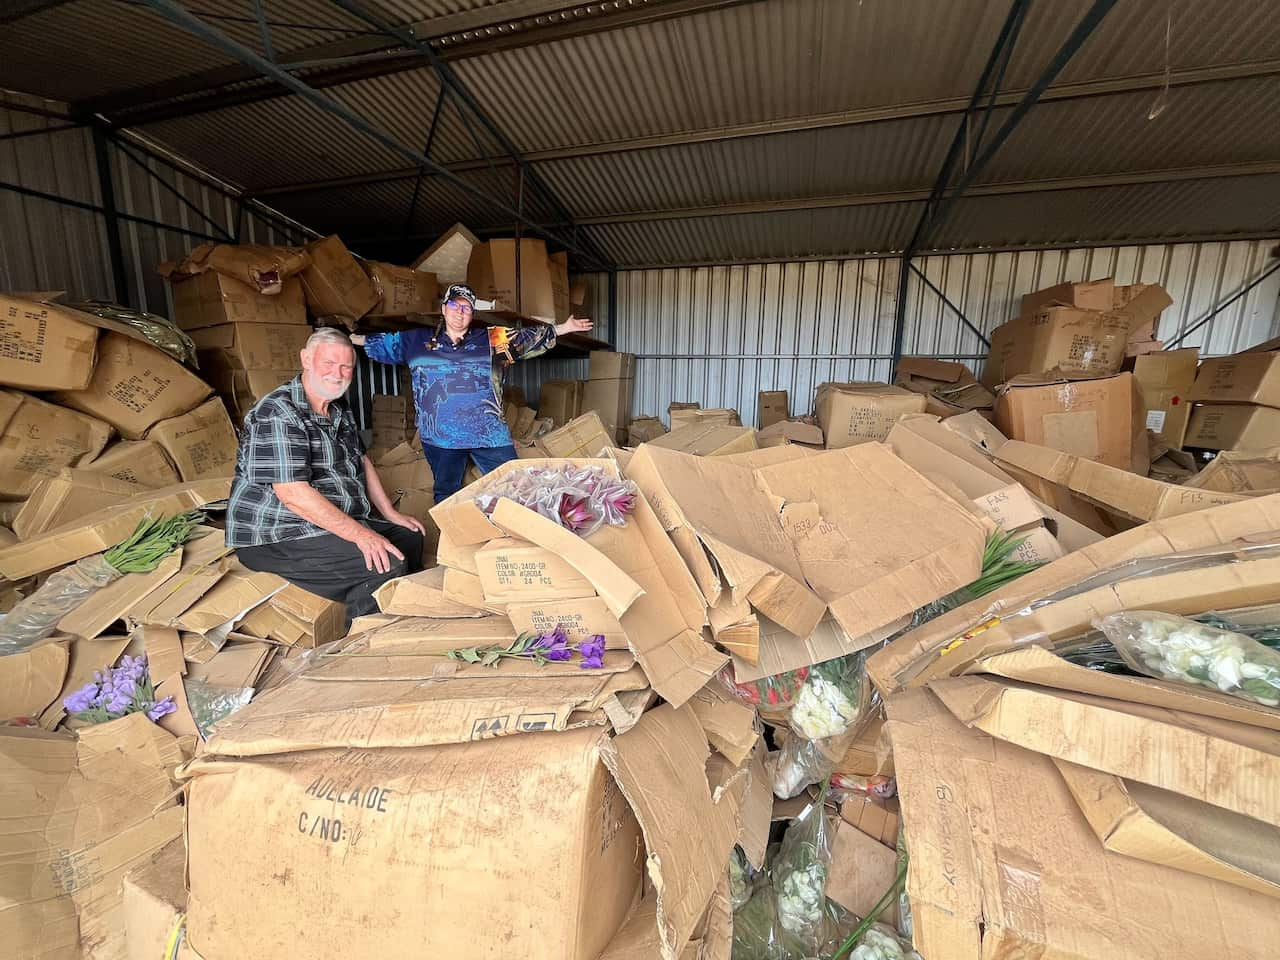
950,388
212,299
689,414
643,429
263,268
1240,472
791,431
334,283
67,497
1084,295
707,440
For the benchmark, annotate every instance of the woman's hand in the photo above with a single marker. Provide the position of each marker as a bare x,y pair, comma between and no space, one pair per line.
574,325
357,339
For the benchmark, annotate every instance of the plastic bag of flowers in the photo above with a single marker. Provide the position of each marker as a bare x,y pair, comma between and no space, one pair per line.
1169,647
799,873
579,498
772,696
742,879
826,709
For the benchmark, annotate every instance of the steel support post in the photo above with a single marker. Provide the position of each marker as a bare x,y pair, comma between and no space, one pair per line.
102,157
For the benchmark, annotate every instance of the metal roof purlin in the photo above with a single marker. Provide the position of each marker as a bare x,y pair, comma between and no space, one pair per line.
180,16
978,154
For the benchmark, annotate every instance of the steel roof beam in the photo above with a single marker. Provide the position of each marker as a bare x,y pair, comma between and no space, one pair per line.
504,26
931,108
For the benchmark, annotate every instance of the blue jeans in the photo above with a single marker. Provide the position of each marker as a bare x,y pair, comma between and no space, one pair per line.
448,465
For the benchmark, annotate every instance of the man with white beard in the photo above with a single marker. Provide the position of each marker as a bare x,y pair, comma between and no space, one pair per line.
306,502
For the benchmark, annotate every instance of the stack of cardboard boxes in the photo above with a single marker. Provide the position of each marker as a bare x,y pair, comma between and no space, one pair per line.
610,384
1238,402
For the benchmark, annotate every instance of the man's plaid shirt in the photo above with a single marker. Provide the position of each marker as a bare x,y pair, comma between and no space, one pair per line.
285,441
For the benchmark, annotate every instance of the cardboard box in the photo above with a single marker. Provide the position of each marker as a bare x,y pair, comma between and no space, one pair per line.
142,463
201,443
558,267
402,290
584,436
950,388
264,268
255,346
39,439
154,900
212,299
791,431
707,440
774,407
1243,378
1090,295
421,595
855,413
970,886
1233,471
448,257
44,347
67,497
512,570
134,386
1057,343
560,400
611,399
31,680
491,273
1233,426
93,807
334,283
1166,380
643,429
689,414
1100,420
611,365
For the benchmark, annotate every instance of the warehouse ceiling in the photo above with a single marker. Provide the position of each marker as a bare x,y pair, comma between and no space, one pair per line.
643,132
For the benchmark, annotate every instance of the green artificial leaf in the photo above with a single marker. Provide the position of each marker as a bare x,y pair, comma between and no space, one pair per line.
491,658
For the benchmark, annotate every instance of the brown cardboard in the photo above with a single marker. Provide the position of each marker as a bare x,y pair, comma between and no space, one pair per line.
879,821
950,388
1099,420
855,413
729,723
334,284
773,407
791,431
560,400
1116,491
86,657
707,440
39,439
1166,379
1090,295
491,273
1233,471
31,680
447,258
516,570
685,415
862,869
579,619
665,757
239,389
154,901
611,399
999,850
44,347
585,436
134,386
780,650
460,556
322,620
142,463
1218,762
255,346
1233,426
421,595
1243,378
643,429
403,469
113,602
1155,825
201,443
91,807
575,855
1057,343
611,365
211,299
264,268
558,268
463,589
67,497
402,290
105,528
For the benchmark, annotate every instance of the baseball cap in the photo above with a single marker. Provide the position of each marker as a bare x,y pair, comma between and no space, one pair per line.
460,291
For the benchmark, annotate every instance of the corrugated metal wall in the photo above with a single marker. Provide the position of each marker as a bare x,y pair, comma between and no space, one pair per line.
718,335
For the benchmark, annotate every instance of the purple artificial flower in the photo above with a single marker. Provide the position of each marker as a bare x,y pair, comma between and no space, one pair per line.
82,699
161,708
592,650
558,651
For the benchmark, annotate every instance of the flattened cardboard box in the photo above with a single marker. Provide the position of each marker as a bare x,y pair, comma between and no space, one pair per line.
1233,426
334,284
1001,850
855,413
211,299
39,439
67,497
44,347
134,386
513,570
201,443
140,462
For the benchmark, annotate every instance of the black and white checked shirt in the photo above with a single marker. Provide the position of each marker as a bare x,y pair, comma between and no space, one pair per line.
285,441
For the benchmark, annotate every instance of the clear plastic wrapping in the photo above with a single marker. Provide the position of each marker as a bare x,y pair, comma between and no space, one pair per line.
801,762
211,703
37,616
831,699
1170,647
578,498
799,874
881,942
771,696
742,877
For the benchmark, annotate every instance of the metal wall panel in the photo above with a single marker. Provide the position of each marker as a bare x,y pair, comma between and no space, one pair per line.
717,335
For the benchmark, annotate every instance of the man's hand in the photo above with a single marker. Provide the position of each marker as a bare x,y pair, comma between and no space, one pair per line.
404,520
574,325
357,339
377,550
